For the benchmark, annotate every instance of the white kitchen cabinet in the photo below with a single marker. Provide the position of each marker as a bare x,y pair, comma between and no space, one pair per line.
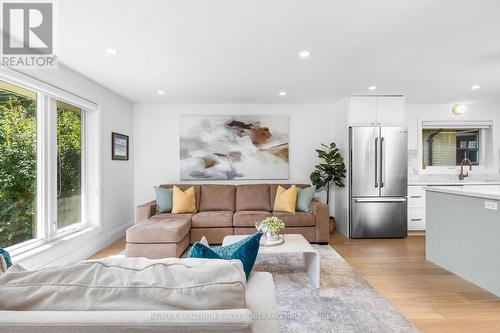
416,208
376,110
390,110
363,111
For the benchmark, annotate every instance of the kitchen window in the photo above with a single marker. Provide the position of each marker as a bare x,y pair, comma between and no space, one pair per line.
44,170
447,144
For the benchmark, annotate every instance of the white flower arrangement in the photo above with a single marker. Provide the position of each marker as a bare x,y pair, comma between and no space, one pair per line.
273,224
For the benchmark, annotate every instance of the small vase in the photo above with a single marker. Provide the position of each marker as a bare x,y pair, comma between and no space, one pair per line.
271,235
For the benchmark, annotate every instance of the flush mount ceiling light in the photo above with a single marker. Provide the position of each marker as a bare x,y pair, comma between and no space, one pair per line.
161,92
282,93
112,51
372,88
475,87
304,53
459,109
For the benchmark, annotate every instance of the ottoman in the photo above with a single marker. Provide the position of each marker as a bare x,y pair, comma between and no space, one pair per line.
156,239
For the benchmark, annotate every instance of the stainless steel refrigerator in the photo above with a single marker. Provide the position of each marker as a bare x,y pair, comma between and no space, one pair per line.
378,182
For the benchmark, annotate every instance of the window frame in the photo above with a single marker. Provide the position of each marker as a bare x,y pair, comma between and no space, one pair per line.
486,165
46,177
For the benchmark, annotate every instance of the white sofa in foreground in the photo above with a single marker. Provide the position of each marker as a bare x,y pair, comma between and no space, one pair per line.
257,315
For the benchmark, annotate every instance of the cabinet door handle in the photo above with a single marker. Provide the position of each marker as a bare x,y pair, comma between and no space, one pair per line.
415,220
416,196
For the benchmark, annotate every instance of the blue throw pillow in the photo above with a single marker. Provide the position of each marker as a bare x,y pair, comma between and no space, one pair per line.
164,198
245,250
6,256
304,198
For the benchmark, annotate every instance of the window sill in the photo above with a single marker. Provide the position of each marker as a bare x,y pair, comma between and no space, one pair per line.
33,248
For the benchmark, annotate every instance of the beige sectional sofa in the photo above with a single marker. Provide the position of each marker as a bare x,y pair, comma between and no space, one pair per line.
229,210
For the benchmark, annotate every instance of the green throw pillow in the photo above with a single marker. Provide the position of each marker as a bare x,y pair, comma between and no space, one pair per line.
304,198
163,199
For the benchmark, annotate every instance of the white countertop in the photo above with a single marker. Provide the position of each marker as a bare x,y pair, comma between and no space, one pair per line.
436,180
486,192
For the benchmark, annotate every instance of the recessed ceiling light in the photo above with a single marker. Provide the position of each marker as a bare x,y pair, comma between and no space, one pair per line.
372,88
304,54
112,51
161,92
282,93
475,87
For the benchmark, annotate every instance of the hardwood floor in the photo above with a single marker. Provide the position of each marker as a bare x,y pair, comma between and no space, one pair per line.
430,297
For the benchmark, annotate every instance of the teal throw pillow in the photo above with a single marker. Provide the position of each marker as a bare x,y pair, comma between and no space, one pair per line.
163,199
304,198
6,257
244,250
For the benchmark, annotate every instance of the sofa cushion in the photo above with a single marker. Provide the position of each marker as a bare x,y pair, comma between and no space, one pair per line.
217,197
158,231
130,284
172,216
253,197
247,218
297,219
274,187
212,219
304,198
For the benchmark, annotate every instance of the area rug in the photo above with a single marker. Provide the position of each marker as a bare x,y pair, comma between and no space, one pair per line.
345,302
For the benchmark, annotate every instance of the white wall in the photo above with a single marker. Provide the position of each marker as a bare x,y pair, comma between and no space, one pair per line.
416,113
156,139
116,177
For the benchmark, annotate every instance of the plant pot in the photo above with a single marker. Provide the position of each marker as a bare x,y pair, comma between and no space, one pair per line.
332,224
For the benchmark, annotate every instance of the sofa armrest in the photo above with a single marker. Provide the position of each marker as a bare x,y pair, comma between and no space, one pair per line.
145,211
321,212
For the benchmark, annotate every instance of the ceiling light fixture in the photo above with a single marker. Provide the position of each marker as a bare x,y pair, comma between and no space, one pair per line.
372,88
282,93
112,51
304,54
475,87
161,92
459,109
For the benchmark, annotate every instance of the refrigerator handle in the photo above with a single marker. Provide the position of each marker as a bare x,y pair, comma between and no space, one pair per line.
376,161
382,167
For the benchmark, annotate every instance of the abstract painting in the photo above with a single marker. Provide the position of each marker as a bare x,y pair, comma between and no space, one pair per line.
224,147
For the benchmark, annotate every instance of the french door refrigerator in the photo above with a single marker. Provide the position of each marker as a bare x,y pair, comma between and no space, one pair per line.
378,182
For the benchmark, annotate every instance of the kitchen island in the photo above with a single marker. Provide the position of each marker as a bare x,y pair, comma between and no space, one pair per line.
463,233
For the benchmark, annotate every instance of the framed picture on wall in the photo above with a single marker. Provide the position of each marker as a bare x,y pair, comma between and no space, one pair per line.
119,147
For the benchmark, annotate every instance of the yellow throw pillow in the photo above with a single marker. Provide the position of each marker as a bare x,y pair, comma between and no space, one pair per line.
285,200
183,201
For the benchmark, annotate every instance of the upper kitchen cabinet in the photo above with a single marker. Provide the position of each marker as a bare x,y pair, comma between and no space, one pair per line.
376,110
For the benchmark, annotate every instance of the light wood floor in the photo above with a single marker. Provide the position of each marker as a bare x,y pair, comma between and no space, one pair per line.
430,297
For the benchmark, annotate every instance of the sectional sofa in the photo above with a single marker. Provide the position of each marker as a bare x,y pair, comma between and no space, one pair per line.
224,210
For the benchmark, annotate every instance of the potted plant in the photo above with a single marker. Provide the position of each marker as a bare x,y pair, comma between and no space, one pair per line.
331,171
271,226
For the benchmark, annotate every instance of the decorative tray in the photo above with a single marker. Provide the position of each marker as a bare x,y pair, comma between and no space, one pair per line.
279,241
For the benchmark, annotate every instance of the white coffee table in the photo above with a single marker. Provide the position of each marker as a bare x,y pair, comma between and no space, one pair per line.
293,244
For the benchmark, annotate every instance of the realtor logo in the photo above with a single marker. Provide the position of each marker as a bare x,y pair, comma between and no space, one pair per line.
28,34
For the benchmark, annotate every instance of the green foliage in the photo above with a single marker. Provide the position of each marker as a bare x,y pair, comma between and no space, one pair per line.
17,169
273,223
18,158
331,171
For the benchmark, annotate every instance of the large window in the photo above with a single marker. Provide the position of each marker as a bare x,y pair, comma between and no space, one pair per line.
18,164
42,167
449,146
69,165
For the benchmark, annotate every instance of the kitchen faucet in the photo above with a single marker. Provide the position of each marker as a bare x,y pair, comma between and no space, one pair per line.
462,175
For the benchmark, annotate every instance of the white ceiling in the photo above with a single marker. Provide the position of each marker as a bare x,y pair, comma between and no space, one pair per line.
233,51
